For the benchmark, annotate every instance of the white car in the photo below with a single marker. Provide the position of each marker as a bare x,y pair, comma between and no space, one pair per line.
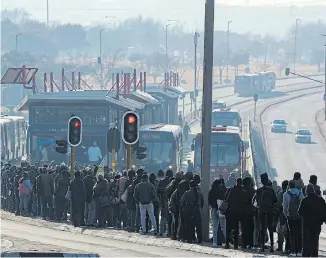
278,126
303,136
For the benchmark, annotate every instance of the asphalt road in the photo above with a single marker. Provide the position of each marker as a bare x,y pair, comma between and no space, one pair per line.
285,155
44,239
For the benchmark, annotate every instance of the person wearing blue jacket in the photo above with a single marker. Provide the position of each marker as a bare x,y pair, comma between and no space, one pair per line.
291,203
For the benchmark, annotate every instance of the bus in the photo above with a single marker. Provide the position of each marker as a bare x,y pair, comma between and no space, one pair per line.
13,137
226,117
164,147
250,84
227,152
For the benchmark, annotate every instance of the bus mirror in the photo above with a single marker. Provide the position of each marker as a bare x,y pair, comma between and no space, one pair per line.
324,192
192,147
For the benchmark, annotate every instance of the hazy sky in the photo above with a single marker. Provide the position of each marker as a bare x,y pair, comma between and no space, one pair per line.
189,12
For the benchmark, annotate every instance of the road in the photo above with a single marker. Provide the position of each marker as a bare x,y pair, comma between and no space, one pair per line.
44,239
285,155
226,93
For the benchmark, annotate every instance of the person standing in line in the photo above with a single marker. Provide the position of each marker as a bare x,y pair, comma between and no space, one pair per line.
94,154
312,221
145,195
78,199
291,203
266,202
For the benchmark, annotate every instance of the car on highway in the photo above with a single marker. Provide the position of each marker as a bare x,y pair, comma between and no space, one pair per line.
218,104
303,136
278,126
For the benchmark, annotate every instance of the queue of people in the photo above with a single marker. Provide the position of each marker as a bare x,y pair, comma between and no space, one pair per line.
170,205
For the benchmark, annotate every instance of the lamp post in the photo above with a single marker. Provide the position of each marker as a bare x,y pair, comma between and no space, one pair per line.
17,36
227,51
166,47
295,44
196,36
100,59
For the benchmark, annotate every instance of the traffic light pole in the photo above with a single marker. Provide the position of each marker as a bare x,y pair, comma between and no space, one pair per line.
129,156
113,162
72,161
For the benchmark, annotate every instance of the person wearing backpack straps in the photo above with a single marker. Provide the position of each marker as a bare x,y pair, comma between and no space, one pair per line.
266,201
291,204
191,204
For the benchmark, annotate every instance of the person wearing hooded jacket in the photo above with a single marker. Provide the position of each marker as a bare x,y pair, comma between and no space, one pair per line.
78,197
191,204
247,221
89,182
182,188
295,224
266,202
100,192
173,207
312,221
60,196
234,196
298,181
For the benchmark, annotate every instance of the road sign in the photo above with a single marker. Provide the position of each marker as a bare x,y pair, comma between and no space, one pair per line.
287,71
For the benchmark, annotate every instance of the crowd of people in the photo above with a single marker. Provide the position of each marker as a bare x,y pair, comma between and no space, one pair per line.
170,205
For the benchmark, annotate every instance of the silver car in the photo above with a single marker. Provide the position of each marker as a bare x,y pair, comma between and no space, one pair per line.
303,136
278,126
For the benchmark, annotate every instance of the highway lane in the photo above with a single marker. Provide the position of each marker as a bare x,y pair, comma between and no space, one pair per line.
285,155
88,244
227,93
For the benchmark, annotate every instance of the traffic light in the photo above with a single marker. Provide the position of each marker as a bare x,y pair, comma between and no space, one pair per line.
140,152
130,127
256,97
62,146
287,71
113,140
75,126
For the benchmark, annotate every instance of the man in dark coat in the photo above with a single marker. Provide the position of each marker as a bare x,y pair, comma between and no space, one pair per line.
60,196
78,198
313,211
89,182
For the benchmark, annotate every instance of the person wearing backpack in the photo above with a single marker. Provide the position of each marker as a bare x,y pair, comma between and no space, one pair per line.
25,190
266,203
191,204
291,204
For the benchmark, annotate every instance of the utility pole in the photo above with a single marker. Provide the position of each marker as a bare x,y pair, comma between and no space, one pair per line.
101,63
295,44
166,48
195,75
207,110
227,51
47,13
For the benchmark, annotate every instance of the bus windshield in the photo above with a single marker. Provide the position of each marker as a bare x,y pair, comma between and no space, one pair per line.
158,152
226,118
222,155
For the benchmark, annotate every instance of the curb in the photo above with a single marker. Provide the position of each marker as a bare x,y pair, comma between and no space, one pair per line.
319,125
127,237
45,254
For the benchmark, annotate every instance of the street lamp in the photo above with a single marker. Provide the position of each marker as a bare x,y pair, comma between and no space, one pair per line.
196,36
166,43
227,51
295,44
47,13
100,57
17,35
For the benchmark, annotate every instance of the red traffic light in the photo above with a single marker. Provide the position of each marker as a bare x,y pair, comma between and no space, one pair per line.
77,124
132,119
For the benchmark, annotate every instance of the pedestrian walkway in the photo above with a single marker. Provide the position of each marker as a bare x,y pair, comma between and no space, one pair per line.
136,238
